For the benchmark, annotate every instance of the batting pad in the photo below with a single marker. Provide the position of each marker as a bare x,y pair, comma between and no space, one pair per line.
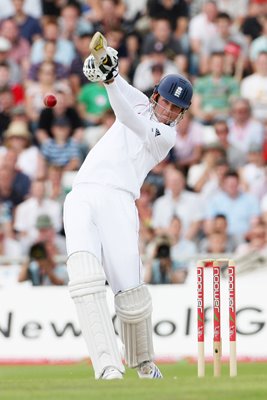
134,309
87,288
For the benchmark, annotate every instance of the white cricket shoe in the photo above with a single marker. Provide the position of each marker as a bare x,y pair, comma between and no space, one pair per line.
111,373
148,370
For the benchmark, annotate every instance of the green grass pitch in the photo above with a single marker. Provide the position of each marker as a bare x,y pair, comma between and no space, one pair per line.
76,382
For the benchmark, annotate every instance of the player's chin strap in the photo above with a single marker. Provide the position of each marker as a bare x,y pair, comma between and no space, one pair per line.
154,114
134,308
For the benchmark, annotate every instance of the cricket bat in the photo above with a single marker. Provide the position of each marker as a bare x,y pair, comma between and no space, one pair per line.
98,48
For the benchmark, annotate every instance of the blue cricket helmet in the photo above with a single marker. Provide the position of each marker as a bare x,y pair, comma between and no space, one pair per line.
176,89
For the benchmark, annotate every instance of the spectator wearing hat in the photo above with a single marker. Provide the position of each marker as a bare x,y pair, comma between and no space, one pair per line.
145,76
42,267
61,149
29,158
15,71
29,210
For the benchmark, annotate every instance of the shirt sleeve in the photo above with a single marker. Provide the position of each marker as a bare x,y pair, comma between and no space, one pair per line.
159,137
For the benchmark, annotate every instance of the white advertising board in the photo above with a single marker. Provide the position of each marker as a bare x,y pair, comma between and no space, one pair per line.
41,323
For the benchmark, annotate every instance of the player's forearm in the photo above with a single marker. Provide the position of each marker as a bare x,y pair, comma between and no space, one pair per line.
124,111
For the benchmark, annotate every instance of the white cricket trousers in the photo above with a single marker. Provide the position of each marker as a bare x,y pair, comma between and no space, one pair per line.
104,221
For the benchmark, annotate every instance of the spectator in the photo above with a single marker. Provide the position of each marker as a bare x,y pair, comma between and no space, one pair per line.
65,52
61,72
144,76
181,249
63,109
216,243
175,12
61,149
93,102
28,211
156,177
116,39
92,134
180,202
9,247
213,92
253,173
200,27
259,44
15,71
20,47
254,88
144,203
6,107
161,36
189,142
244,130
82,40
14,185
162,269
237,10
36,91
225,36
33,8
70,20
206,176
106,15
54,185
240,209
235,157
17,89
256,241
29,26
29,158
217,225
251,26
41,269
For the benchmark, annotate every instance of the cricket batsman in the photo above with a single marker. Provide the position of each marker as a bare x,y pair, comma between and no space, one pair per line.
101,220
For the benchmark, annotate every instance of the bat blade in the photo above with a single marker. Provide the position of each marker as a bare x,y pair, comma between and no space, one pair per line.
98,47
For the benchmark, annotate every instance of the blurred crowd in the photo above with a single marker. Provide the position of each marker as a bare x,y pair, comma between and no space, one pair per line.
209,196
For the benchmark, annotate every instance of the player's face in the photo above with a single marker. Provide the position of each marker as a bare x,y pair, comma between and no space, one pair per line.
166,112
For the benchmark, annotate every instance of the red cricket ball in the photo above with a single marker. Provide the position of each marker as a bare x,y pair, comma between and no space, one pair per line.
50,100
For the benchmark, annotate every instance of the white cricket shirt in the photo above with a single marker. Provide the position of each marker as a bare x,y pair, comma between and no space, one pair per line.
132,146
